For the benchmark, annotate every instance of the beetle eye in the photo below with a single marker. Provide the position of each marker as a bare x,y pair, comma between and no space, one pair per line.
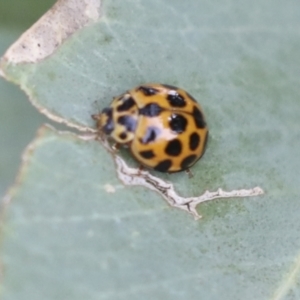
107,110
107,123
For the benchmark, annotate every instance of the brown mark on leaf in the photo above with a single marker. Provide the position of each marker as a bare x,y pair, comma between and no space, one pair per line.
52,29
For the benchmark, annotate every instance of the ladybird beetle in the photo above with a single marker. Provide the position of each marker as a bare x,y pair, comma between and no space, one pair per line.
162,125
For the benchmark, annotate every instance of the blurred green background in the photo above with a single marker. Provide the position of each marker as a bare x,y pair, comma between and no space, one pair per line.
19,119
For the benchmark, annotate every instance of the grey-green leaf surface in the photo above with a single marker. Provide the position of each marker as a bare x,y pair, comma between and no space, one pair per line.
73,231
19,120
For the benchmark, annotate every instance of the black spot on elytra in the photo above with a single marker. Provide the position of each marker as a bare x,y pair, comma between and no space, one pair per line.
188,161
173,148
150,135
147,154
123,136
194,141
171,87
128,122
198,117
191,97
126,105
148,91
109,126
176,100
163,166
178,123
150,110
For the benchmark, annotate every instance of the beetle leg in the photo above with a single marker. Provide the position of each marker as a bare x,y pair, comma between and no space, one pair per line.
95,117
116,147
140,169
189,173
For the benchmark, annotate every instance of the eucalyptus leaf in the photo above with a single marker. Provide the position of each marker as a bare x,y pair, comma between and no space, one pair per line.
19,120
72,230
